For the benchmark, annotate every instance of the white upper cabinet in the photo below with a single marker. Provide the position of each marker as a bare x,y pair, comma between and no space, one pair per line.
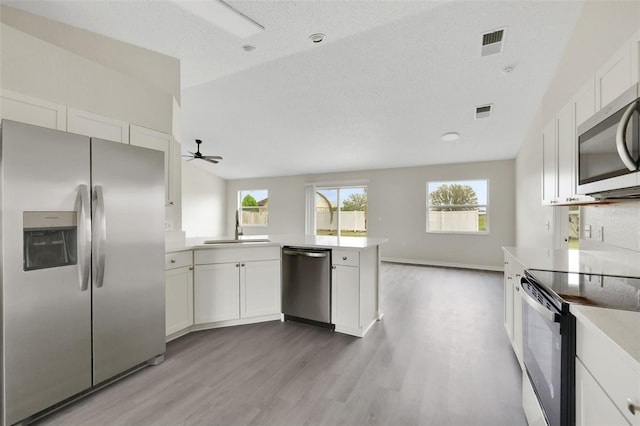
584,102
152,139
97,126
565,129
619,73
26,109
549,164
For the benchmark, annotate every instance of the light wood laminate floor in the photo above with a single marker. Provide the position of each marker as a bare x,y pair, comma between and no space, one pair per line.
439,357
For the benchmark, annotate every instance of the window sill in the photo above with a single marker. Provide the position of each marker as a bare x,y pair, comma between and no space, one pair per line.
458,232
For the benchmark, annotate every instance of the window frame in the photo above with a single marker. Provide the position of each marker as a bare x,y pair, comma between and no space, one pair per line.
338,187
239,209
479,206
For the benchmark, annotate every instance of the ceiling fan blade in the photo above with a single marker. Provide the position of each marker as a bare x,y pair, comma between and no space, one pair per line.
210,160
191,156
190,159
212,157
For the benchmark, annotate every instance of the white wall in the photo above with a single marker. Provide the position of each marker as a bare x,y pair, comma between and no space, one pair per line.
32,65
203,203
601,29
397,211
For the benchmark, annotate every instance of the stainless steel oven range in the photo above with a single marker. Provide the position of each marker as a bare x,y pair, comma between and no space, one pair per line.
548,333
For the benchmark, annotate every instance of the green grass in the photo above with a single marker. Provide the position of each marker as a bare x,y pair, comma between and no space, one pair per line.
482,223
574,243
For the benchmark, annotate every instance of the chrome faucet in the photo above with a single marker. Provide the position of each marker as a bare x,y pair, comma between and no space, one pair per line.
238,229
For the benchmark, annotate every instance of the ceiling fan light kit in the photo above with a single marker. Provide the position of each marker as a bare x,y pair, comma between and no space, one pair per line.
215,159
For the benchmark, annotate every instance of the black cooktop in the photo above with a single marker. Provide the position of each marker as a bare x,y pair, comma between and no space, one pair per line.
603,291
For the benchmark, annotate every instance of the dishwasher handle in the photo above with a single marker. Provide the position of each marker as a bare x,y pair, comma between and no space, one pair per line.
305,253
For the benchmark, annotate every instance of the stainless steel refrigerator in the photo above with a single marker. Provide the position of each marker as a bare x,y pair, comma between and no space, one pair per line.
82,264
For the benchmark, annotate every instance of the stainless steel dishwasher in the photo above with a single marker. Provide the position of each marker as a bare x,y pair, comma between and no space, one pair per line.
306,285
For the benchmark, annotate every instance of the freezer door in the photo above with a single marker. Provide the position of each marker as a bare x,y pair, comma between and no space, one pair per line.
46,312
128,256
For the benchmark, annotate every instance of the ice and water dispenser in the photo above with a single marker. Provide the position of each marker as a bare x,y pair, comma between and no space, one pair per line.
50,239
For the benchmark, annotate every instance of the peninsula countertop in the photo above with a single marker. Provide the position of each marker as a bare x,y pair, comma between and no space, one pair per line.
332,242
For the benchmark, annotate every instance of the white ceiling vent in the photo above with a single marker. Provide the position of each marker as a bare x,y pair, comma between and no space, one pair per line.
483,111
492,42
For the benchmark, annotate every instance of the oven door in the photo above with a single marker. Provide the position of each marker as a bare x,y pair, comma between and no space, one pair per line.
609,146
549,351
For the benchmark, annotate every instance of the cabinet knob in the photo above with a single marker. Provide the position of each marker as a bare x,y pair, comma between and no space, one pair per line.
191,268
506,263
509,277
173,261
633,407
333,266
518,275
170,203
237,265
344,257
242,264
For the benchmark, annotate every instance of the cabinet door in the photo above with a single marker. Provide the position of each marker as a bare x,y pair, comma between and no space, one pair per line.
565,126
593,406
508,300
216,293
97,126
260,288
346,296
26,109
147,138
517,314
614,77
549,169
585,102
179,299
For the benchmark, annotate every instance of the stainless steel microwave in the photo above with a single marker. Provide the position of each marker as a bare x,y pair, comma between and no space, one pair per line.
609,149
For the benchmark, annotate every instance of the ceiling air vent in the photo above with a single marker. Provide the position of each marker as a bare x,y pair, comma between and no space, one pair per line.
483,111
492,42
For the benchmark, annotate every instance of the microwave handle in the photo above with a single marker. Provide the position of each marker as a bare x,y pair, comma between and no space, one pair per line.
621,143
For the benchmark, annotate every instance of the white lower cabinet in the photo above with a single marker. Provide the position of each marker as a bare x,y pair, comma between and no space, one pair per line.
593,406
178,292
513,273
346,297
260,288
236,284
217,292
354,293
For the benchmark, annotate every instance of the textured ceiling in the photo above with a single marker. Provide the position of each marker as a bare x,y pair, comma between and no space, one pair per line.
389,80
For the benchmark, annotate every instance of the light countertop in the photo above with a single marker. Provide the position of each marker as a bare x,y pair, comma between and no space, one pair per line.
621,264
622,327
357,243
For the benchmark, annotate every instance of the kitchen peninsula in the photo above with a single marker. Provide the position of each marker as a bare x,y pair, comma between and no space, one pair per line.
219,282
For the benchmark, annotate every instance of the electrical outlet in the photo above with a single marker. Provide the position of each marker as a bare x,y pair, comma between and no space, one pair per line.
547,225
168,225
586,232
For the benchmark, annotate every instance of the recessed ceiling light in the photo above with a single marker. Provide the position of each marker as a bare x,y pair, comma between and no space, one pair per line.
317,37
450,136
508,69
248,48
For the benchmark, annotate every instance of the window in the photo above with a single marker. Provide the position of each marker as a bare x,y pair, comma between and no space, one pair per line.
253,207
341,211
458,207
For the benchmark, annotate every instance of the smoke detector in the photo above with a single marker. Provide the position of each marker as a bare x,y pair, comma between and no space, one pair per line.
483,111
450,136
493,42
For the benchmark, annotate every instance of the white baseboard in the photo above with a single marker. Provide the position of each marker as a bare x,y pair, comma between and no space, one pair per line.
445,264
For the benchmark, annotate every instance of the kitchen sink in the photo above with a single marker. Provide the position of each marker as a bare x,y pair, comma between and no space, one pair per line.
257,240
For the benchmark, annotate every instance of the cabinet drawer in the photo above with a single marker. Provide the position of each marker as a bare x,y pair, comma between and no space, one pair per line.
345,257
235,254
178,259
614,369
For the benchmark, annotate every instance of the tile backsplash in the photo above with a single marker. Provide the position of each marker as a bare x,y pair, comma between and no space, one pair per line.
619,222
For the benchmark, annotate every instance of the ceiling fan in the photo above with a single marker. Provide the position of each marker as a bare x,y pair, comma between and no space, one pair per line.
215,159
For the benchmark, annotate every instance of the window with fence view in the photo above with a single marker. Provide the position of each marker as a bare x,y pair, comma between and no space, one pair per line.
458,206
341,211
253,207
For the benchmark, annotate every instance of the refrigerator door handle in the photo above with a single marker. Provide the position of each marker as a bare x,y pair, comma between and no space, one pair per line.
100,236
84,237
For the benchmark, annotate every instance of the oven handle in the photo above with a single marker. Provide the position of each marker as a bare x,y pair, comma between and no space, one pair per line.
621,143
546,313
